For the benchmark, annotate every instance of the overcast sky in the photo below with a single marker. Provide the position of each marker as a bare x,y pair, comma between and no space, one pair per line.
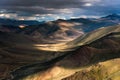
55,9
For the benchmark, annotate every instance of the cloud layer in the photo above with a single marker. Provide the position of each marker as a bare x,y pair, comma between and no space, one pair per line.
61,8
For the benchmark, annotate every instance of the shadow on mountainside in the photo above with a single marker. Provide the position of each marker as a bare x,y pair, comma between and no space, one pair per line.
33,64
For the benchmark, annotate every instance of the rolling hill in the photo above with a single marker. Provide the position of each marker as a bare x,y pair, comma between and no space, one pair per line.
88,57
58,30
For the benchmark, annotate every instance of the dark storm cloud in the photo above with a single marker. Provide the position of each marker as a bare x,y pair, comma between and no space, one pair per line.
61,7
40,6
43,3
34,10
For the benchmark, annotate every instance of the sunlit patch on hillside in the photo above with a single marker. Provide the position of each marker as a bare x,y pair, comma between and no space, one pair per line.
22,26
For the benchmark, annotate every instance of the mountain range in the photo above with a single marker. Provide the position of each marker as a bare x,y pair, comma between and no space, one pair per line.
7,21
95,56
74,49
59,30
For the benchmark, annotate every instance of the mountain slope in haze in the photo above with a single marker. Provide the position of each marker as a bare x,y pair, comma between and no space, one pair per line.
112,17
88,25
58,30
53,31
5,21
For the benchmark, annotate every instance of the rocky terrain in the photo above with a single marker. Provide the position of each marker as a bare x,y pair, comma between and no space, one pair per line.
61,50
59,30
96,58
